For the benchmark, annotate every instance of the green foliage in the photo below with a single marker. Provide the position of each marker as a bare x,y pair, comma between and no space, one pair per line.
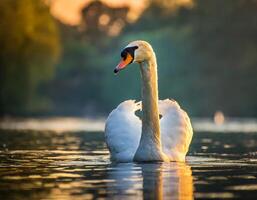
207,56
29,49
225,49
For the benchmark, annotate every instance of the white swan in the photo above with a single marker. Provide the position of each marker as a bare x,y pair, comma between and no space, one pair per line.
128,139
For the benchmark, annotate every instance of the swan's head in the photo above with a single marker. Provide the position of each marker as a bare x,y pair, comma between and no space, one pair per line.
136,51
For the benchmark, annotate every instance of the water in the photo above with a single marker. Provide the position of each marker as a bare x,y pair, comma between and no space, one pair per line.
75,165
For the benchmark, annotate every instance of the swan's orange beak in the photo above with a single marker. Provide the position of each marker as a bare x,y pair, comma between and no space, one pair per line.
123,63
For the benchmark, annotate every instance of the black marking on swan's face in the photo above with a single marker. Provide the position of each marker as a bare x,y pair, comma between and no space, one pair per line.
130,50
127,55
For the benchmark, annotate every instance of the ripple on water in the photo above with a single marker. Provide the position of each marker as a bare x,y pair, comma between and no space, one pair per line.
76,166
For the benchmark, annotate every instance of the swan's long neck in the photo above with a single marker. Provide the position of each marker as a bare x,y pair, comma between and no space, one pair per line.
150,119
150,143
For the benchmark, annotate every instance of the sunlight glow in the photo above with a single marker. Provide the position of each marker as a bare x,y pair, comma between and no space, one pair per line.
68,11
116,28
104,19
219,118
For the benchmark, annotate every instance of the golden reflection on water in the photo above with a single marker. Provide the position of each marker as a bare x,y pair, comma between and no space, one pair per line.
119,181
154,181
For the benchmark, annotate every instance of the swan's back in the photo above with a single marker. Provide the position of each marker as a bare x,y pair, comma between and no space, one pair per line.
123,131
176,130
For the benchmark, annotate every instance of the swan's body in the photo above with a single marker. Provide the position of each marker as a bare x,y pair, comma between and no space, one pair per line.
130,139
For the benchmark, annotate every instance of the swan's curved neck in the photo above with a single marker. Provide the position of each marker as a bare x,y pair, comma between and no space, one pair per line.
150,119
150,143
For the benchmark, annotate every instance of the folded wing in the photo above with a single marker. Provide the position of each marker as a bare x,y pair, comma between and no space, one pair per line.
176,130
123,131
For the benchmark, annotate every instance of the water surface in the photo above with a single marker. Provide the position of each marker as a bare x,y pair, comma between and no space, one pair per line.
75,165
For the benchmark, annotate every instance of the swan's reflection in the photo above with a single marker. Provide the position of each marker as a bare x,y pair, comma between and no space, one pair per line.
151,181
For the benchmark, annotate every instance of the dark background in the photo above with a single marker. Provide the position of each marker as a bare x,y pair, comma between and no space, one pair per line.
206,52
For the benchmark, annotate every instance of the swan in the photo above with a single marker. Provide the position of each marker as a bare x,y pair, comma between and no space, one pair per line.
151,139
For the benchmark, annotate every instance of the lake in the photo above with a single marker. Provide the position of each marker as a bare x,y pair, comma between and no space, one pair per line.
43,164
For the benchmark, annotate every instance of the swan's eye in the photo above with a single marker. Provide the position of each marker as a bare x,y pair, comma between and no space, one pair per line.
130,50
124,54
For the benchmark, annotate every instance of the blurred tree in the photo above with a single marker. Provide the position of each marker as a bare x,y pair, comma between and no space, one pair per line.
100,22
78,85
29,49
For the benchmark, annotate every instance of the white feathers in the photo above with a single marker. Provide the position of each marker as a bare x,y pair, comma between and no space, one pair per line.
123,131
176,130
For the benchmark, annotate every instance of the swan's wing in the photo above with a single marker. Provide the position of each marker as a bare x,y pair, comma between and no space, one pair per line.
176,130
123,131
